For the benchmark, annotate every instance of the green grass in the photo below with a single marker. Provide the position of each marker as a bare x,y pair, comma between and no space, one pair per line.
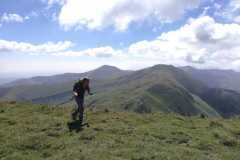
40,132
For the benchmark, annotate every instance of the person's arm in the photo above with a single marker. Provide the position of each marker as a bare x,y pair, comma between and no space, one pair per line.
75,90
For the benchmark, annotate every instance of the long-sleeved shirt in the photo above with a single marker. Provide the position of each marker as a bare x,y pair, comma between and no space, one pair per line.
80,90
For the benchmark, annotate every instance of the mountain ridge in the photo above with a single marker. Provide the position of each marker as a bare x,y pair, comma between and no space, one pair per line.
158,88
106,72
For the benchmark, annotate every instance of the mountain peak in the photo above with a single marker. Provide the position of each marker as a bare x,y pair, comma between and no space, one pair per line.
188,68
162,66
107,67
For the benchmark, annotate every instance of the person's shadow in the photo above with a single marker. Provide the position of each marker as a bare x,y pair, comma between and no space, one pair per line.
76,126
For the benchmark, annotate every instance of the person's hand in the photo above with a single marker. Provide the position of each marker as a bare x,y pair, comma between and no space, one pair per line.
75,94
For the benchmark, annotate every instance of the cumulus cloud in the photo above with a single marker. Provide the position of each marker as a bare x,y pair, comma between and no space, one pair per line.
62,48
201,42
93,14
22,47
12,18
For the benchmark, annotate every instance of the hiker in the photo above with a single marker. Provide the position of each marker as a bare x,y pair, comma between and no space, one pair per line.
79,89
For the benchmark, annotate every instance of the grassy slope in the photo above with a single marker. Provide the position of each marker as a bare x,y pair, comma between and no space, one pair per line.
40,132
35,91
159,97
205,108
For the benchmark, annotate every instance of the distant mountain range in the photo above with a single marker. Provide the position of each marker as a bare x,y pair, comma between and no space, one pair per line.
104,72
4,80
187,91
213,78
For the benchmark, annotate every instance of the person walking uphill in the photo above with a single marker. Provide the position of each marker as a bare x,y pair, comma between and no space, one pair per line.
79,89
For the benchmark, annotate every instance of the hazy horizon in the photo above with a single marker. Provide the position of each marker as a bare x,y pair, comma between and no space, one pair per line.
9,77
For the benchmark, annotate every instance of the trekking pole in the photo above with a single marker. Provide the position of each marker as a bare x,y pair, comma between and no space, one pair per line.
85,110
85,116
86,121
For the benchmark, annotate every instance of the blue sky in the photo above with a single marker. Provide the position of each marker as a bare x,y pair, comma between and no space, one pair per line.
56,36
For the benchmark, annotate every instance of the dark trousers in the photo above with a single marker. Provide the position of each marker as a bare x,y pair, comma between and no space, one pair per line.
80,108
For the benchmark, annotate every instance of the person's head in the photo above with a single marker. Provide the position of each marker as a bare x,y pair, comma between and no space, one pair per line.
85,82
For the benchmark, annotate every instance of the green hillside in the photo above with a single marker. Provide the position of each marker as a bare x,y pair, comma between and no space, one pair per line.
39,132
159,88
162,88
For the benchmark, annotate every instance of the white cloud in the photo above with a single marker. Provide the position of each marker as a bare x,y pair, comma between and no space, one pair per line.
202,42
230,11
12,17
22,47
205,11
217,6
50,3
94,14
237,19
101,52
235,5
